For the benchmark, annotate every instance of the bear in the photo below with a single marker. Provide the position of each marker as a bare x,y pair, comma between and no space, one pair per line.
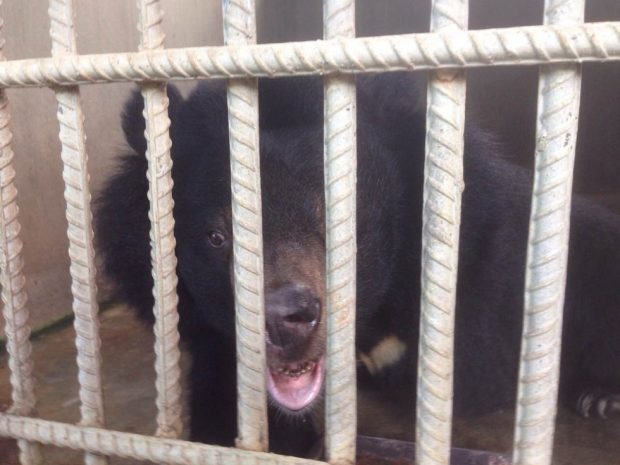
391,139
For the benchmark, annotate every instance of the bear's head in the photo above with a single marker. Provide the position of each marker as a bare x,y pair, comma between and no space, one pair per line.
292,184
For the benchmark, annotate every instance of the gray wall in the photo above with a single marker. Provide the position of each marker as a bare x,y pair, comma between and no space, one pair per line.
102,26
502,99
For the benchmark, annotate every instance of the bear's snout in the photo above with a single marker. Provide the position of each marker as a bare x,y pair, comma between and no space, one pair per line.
292,314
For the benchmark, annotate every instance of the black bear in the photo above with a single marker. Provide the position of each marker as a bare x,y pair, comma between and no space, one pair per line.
391,133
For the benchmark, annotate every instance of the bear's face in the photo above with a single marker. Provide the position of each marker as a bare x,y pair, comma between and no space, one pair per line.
294,255
294,292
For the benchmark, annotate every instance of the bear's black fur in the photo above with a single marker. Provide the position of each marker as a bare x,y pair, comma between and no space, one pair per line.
496,205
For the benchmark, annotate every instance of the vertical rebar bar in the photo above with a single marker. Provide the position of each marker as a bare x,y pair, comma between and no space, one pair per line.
340,152
240,28
80,233
547,251
443,186
163,256
15,312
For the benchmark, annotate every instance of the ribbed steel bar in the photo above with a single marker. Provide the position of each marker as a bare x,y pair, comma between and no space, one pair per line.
443,185
240,28
447,49
340,152
559,91
12,280
163,256
135,446
80,233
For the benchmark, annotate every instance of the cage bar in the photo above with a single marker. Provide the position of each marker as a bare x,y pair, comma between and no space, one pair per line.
443,185
163,243
80,232
532,45
12,280
136,446
340,153
559,91
240,28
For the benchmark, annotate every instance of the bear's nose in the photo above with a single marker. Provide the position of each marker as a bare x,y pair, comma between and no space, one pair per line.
292,315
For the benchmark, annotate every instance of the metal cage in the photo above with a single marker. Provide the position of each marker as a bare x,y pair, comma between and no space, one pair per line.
559,46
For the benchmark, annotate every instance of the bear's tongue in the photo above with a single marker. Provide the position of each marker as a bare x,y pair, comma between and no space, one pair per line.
298,391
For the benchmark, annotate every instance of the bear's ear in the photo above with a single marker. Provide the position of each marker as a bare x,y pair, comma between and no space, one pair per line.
133,120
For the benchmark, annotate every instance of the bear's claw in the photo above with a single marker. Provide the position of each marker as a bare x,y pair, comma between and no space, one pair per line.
600,404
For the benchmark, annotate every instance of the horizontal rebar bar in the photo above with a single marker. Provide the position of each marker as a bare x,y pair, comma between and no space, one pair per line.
446,49
136,446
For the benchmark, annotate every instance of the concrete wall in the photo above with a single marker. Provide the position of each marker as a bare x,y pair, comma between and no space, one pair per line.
503,99
102,26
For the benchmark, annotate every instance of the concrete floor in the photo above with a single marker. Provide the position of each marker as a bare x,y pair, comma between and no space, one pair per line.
128,376
129,400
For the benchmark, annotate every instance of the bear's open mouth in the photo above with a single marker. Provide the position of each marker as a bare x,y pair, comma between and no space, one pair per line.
296,385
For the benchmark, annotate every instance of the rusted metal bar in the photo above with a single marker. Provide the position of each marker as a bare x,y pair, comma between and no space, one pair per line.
443,185
80,231
136,446
559,92
163,243
450,49
240,28
340,152
12,280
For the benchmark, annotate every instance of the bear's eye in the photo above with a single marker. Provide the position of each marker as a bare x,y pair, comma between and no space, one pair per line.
216,239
